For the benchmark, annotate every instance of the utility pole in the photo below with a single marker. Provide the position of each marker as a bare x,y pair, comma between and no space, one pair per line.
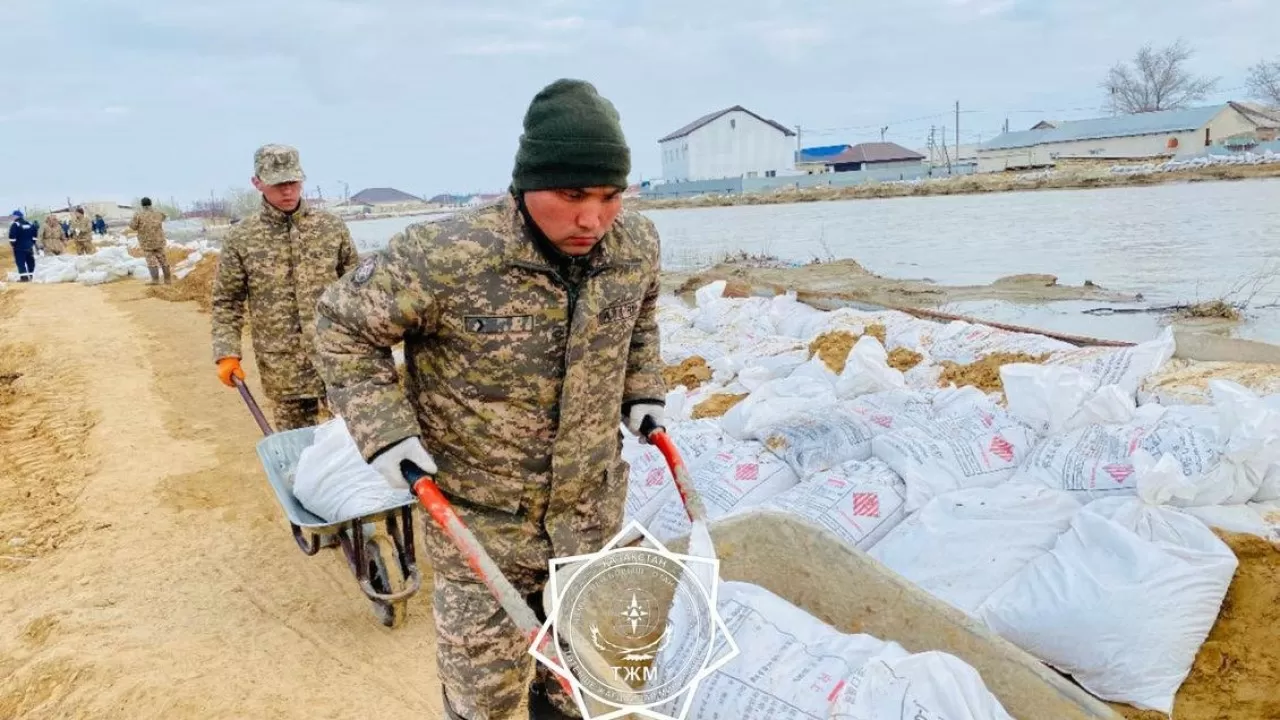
883,130
945,155
799,144
957,129
1006,124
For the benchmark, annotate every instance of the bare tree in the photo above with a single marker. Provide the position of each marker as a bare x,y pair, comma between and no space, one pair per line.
1264,82
1158,79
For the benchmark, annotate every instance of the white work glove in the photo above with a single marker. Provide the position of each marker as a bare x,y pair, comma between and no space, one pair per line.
635,416
388,461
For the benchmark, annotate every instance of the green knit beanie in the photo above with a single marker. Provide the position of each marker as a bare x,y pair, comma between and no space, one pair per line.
572,139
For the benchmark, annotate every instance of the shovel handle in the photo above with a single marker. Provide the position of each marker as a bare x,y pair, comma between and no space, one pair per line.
434,502
658,437
253,405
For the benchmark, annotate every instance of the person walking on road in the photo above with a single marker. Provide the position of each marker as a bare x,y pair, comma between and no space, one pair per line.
273,267
530,334
51,235
81,233
149,225
22,241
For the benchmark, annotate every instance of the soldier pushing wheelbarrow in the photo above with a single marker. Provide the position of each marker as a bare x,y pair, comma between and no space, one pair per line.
530,331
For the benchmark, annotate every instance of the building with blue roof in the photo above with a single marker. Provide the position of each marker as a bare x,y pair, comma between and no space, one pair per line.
1153,135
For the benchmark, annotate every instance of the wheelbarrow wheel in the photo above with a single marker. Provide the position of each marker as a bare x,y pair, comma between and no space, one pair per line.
387,577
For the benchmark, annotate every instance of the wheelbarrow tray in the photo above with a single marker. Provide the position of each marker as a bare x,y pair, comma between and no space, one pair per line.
279,453
849,590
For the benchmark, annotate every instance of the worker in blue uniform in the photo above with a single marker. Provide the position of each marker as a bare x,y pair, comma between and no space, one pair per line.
22,240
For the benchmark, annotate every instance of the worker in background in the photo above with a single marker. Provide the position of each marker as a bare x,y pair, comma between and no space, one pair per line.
99,225
22,241
530,333
81,232
51,235
149,226
274,265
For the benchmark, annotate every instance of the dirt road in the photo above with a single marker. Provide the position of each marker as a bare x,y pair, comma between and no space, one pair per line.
145,570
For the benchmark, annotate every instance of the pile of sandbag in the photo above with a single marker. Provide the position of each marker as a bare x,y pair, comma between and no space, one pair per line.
105,264
1038,511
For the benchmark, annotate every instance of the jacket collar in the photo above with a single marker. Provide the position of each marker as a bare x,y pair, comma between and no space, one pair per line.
274,216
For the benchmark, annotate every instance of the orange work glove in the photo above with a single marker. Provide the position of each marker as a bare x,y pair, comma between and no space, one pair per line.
227,367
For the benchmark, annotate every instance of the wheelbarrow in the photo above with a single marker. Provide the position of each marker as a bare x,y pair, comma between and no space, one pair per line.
378,546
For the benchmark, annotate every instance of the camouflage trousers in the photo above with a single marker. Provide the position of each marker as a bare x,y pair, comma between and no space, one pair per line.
82,247
158,262
294,413
482,659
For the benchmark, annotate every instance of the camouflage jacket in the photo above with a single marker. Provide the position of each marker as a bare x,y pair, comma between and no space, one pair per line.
81,227
515,382
277,265
149,224
51,236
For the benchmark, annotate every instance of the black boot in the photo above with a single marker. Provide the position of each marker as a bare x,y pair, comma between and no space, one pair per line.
448,709
540,707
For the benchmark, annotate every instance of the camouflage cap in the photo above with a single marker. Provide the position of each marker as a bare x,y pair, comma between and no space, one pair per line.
275,164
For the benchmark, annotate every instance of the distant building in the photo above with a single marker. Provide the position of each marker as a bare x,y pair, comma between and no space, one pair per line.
733,142
1153,135
113,212
813,160
853,158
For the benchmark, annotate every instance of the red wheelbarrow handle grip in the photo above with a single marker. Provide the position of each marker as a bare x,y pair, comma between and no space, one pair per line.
434,502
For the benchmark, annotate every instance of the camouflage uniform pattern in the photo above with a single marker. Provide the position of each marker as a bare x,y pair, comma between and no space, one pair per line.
149,224
275,265
81,234
51,236
295,413
516,377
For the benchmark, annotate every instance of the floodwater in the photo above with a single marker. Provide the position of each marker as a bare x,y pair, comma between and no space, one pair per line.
1173,243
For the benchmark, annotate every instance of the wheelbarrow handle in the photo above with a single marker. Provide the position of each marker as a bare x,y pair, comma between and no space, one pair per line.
658,437
434,502
253,405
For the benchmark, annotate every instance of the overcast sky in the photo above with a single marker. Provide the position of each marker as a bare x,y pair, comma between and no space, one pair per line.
169,98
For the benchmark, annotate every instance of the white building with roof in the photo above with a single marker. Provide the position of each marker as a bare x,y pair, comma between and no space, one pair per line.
1163,134
729,143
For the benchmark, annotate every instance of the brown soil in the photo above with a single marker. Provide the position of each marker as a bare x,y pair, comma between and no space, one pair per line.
833,347
984,374
692,372
1187,381
174,254
1213,309
904,359
197,285
171,587
966,185
849,282
1237,671
716,405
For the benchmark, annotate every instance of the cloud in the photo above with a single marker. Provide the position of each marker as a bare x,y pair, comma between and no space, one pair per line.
501,47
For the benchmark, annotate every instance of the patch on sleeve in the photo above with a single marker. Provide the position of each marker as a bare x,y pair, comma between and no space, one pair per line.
626,311
364,270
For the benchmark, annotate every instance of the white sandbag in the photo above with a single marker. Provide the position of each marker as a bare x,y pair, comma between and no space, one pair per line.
963,546
1255,518
335,483
1122,602
965,343
758,371
775,401
982,448
736,477
1054,399
867,370
792,665
1250,430
795,319
819,440
859,502
777,355
649,482
1125,367
92,277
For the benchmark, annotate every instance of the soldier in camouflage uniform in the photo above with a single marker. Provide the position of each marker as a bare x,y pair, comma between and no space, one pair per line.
277,263
530,332
51,235
81,233
149,225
